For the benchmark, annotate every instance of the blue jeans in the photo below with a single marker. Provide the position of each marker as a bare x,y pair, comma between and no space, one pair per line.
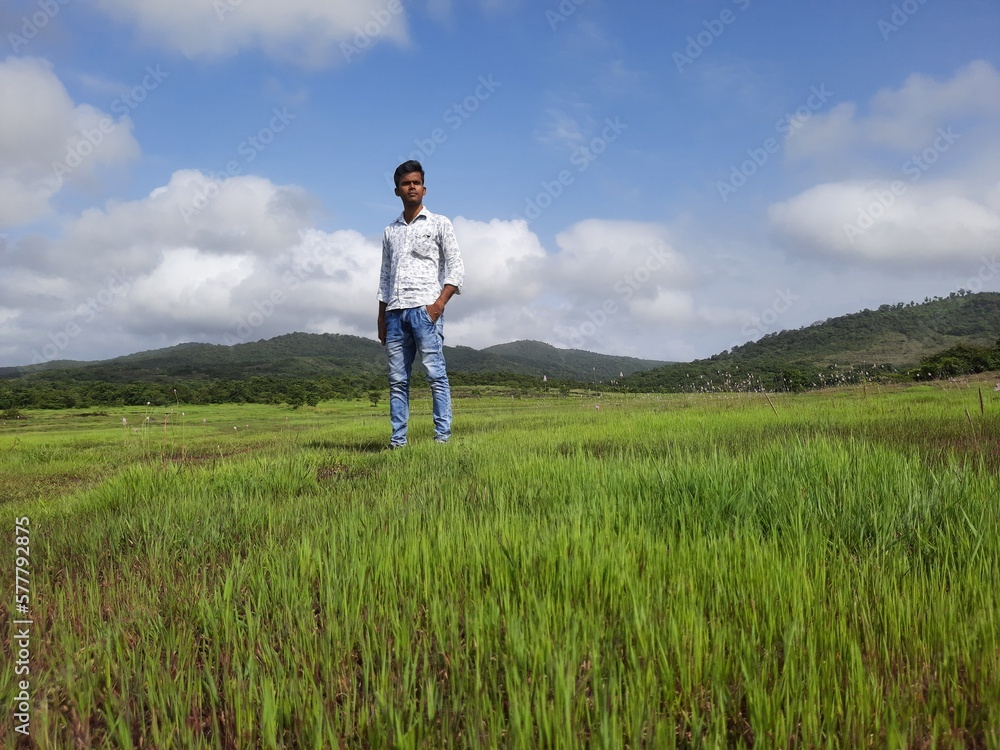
406,332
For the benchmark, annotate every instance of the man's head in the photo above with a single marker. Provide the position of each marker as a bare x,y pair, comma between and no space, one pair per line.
407,167
409,179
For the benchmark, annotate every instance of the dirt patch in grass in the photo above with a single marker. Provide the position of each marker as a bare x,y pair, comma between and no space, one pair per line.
338,472
28,488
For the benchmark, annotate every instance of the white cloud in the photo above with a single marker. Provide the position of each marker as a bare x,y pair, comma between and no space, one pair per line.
506,271
245,215
620,285
504,261
600,258
908,182
668,306
897,222
248,265
900,120
610,286
46,140
308,32
563,130
188,289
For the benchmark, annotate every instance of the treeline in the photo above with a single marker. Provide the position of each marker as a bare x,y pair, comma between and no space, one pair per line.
764,375
45,391
516,381
935,321
947,336
65,393
39,392
963,359
710,377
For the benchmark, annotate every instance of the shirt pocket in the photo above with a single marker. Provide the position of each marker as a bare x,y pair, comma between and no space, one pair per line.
425,246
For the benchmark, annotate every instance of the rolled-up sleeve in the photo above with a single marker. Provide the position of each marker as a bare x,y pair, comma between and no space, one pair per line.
454,269
383,277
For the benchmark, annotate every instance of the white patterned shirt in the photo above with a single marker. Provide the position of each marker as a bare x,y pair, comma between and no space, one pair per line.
418,259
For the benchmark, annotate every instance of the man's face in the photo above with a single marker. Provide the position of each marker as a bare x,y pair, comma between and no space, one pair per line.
411,189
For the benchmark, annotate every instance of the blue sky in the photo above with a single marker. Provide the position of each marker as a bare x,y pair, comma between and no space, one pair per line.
660,180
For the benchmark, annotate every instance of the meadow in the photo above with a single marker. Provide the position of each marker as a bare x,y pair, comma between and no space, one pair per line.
692,570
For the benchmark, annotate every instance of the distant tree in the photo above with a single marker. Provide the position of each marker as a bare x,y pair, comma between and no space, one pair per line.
793,379
296,396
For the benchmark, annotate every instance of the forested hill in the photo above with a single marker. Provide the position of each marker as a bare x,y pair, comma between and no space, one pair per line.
310,355
937,338
893,338
569,363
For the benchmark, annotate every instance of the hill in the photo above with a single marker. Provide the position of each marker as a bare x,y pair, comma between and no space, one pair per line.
938,338
309,355
886,341
568,363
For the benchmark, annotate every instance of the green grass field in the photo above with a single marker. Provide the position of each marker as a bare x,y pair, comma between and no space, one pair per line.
817,570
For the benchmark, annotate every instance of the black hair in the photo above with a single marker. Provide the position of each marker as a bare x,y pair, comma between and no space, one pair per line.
405,168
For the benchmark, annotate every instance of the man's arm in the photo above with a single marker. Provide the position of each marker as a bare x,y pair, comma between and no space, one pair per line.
383,285
454,269
436,308
381,323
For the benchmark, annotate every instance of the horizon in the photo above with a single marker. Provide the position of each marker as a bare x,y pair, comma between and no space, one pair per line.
656,182
910,303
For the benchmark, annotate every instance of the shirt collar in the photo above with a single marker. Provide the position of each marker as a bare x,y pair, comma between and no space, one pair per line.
423,212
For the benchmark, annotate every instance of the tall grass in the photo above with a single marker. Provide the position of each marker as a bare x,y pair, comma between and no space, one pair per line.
820,571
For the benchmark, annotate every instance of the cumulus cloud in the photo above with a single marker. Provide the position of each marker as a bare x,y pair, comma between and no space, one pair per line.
925,192
895,221
46,140
241,260
505,275
622,287
504,261
247,264
599,258
244,215
307,32
667,307
905,119
515,288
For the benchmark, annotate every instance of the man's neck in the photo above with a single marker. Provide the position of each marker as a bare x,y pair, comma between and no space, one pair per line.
410,213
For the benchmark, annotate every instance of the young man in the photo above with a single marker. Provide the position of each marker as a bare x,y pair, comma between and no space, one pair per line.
421,270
